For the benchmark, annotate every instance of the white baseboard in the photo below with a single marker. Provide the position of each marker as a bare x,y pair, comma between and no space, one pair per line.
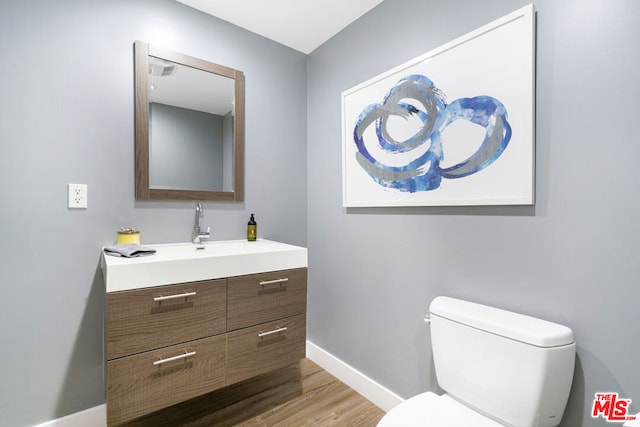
94,417
381,396
371,390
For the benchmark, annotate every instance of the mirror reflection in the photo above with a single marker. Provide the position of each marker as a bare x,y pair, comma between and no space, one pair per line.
190,128
191,144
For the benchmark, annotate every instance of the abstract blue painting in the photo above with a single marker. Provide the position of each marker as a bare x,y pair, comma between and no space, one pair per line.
448,128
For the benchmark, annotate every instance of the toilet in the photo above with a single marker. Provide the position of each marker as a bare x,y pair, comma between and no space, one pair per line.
497,369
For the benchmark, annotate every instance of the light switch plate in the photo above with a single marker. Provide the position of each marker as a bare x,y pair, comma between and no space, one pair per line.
77,196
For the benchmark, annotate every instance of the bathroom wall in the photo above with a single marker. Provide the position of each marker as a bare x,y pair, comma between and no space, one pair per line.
67,116
572,258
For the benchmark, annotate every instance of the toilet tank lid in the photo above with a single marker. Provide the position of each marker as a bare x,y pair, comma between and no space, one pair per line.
511,325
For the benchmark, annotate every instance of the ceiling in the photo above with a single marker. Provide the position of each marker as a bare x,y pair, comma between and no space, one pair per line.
190,88
300,24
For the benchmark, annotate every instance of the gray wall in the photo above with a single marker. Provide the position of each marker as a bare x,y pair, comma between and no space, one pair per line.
185,150
66,116
573,258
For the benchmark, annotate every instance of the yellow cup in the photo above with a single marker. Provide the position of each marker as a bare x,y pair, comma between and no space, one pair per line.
125,237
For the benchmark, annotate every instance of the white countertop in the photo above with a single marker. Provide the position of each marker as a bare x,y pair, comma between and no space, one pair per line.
184,262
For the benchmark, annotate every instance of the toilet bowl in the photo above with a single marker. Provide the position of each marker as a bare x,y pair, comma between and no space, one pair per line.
498,368
431,410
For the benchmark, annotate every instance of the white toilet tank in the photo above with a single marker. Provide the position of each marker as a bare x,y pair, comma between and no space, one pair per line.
513,368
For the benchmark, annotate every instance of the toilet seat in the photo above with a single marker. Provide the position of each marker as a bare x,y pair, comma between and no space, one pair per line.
431,410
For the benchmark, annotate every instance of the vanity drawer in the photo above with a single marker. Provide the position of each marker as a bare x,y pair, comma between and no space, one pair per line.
253,351
156,379
156,317
259,298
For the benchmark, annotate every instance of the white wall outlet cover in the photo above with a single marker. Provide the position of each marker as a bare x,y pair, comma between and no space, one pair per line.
77,196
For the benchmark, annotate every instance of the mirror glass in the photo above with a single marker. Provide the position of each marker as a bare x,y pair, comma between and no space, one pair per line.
189,127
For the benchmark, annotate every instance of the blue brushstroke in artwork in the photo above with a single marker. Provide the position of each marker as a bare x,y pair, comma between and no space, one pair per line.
424,172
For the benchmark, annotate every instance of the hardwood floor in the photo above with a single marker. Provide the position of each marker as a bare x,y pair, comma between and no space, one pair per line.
302,394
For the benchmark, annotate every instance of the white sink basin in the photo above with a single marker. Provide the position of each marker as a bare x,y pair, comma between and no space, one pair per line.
208,249
187,262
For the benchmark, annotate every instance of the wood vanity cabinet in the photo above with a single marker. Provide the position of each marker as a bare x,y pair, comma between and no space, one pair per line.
168,344
266,321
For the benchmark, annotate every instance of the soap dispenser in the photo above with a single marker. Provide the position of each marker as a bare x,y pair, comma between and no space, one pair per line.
252,229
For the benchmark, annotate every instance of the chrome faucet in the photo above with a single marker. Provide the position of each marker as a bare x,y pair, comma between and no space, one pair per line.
198,235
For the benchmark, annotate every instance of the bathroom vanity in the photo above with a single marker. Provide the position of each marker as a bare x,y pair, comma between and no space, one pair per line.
191,319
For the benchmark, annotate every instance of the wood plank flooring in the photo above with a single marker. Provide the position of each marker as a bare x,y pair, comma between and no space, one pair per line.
302,394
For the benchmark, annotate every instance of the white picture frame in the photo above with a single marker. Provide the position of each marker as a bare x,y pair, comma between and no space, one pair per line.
452,127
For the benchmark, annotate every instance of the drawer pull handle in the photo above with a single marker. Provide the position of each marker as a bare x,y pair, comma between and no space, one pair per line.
178,357
271,282
275,331
164,298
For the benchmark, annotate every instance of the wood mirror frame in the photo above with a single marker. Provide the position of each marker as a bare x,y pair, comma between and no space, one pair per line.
144,190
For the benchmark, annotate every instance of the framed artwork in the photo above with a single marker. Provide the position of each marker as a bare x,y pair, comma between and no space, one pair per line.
453,127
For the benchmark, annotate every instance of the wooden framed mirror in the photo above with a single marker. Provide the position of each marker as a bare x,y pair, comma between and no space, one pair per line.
189,118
